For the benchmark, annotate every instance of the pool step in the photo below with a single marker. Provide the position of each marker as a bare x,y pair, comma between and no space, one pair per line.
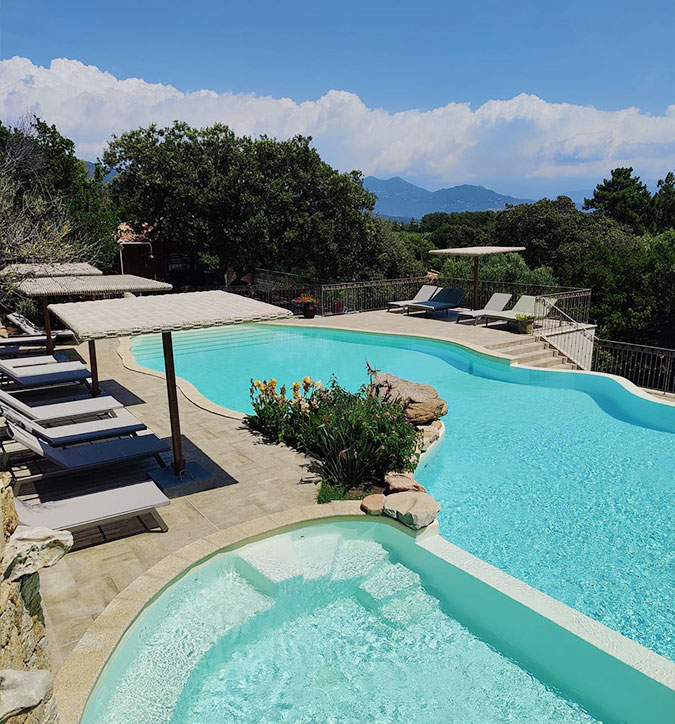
269,562
533,353
388,579
316,554
355,558
175,642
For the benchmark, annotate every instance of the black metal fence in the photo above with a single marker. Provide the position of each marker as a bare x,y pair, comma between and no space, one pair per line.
645,366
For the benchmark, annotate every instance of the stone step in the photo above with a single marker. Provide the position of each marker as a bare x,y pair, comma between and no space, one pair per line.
549,362
517,341
518,350
412,604
536,355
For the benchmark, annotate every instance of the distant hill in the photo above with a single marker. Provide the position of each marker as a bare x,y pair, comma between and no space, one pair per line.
399,198
90,171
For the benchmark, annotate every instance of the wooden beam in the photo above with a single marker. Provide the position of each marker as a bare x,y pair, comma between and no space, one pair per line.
172,394
48,327
93,364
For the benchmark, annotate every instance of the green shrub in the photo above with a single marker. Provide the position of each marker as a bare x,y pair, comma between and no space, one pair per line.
355,437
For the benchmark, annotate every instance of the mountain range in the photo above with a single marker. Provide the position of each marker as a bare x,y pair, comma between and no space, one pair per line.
397,198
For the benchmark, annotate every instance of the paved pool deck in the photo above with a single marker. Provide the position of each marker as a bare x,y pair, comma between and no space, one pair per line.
250,480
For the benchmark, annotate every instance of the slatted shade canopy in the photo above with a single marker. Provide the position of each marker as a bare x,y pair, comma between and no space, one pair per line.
83,285
89,286
51,270
110,318
476,252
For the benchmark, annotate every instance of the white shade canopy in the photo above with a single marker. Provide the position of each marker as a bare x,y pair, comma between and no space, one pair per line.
477,250
51,270
167,313
89,286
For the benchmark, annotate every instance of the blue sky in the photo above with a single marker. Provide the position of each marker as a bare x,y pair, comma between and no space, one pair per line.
393,56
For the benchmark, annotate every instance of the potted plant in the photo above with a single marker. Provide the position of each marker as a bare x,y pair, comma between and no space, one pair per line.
308,305
525,323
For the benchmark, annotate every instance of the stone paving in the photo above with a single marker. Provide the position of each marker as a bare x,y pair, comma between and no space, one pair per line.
250,480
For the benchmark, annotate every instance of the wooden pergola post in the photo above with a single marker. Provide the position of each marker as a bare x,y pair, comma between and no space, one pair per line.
476,262
93,363
172,394
48,327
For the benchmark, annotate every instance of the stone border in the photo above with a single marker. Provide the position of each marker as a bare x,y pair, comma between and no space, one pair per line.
77,677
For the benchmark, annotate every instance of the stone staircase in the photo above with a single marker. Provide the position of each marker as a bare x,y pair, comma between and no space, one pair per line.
533,353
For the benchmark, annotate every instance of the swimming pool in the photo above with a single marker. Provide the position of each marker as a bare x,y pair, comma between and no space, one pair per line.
356,621
562,480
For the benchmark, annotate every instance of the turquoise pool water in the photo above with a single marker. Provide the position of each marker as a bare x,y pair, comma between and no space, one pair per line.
562,480
323,624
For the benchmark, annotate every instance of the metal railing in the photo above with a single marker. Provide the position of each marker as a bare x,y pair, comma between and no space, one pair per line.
645,366
349,297
570,336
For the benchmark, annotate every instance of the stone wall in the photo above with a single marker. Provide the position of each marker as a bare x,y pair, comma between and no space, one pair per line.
25,667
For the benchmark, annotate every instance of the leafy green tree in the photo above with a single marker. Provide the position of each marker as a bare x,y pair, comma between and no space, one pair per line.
38,162
624,198
664,203
243,201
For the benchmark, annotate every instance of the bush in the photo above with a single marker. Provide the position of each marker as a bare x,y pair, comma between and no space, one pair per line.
355,437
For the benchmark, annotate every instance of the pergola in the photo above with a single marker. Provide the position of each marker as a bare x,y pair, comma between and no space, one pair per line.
127,317
476,252
49,287
80,269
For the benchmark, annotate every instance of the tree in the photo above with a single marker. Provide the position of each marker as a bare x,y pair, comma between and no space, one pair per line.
48,207
624,198
242,202
41,163
664,203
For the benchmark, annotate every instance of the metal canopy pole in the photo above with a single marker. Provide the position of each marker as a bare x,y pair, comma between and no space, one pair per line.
93,363
172,394
48,327
476,261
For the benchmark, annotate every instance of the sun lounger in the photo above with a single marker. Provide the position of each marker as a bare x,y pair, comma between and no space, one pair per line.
87,455
45,374
9,350
25,325
31,360
29,341
425,293
443,301
124,423
525,307
98,508
46,412
496,303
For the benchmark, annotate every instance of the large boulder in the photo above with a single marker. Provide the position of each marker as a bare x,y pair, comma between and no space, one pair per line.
416,510
22,690
402,482
422,403
30,549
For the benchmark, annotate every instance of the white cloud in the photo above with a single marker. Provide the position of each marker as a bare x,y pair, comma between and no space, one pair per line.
517,139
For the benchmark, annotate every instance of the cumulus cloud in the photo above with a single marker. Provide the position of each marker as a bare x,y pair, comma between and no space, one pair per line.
521,138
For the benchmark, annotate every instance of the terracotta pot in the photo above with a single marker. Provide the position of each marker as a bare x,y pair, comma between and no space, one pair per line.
309,310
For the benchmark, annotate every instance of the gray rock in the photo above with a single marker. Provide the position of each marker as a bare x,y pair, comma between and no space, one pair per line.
22,690
422,403
372,504
30,549
416,510
402,482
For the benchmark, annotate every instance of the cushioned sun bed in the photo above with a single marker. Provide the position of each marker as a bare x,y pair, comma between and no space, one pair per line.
98,508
